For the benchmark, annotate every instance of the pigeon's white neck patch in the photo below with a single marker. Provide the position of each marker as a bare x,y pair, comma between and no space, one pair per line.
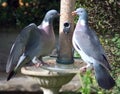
82,22
45,23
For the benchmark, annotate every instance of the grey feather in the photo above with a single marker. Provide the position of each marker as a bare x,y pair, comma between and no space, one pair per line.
103,77
19,47
33,41
86,42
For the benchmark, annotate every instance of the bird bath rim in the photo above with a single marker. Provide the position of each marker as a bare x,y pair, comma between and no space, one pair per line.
51,78
53,67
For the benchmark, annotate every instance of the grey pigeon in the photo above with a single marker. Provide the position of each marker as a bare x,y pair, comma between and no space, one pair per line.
87,44
32,44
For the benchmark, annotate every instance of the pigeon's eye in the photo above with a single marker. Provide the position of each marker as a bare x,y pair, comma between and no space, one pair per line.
81,11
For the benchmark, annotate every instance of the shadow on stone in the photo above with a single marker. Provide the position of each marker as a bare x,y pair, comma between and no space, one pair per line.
20,92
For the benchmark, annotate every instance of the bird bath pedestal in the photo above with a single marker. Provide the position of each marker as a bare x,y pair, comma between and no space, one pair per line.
50,82
52,78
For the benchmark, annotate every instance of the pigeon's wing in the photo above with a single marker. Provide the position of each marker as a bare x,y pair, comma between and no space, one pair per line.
94,35
90,44
19,46
101,50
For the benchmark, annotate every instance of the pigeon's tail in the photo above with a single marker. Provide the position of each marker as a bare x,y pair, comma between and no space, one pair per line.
12,73
18,67
103,77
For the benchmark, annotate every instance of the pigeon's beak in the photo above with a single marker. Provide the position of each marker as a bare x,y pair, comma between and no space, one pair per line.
74,13
59,14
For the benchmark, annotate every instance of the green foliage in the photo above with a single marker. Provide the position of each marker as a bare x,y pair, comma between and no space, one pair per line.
86,82
76,54
90,86
69,93
27,12
116,43
103,15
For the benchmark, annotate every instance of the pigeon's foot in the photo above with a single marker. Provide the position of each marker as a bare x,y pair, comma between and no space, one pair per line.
38,65
84,68
41,64
38,62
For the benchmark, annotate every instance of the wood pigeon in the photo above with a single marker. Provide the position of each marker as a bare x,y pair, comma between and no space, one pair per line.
32,44
87,44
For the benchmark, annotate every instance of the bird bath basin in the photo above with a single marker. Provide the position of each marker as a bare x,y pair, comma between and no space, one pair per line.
52,78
